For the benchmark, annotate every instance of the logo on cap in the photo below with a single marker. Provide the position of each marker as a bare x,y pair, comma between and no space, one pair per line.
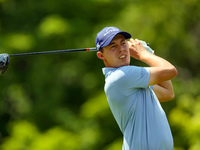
110,29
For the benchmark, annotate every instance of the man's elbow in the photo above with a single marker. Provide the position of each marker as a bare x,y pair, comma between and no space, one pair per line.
168,97
174,72
171,96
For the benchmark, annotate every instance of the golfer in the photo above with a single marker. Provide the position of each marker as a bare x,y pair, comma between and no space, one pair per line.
134,93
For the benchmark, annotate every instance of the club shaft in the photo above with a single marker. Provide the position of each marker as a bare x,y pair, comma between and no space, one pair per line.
52,52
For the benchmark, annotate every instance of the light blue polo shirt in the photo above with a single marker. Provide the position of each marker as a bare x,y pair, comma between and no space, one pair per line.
136,109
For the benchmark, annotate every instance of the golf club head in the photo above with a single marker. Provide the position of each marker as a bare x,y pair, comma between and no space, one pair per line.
4,62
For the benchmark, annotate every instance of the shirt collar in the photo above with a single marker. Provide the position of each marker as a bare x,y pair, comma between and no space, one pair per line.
108,70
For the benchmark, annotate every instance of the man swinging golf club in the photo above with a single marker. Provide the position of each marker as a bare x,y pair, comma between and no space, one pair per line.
134,93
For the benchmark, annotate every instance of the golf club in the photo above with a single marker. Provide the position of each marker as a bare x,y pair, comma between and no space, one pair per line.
4,58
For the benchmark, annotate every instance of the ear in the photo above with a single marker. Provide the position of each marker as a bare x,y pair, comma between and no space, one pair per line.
100,55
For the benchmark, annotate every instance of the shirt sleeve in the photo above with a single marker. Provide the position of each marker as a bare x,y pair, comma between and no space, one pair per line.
129,77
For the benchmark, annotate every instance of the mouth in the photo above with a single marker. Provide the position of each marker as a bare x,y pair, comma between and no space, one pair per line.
123,56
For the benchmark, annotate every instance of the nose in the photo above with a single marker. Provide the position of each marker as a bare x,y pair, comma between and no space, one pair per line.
121,48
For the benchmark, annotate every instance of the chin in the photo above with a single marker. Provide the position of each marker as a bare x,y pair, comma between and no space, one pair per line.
123,65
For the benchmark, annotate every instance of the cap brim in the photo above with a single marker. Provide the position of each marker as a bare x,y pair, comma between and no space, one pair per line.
125,34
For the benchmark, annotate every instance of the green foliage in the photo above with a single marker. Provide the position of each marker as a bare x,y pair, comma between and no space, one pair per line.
25,135
184,118
55,102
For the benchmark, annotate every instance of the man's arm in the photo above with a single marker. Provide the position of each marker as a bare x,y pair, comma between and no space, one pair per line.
164,91
161,74
161,71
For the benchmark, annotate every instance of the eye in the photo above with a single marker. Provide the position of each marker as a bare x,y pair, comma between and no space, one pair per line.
123,42
113,46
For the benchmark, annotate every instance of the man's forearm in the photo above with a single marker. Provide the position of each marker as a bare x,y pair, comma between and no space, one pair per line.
155,61
160,69
164,91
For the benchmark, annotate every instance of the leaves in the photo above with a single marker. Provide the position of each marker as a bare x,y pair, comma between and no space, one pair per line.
57,101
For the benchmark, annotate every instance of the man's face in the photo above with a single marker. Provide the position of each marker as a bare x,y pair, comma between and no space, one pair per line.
116,54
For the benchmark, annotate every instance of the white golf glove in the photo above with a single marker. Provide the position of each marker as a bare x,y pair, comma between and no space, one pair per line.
147,47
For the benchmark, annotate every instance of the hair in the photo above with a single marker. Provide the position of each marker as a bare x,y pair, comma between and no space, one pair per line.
101,50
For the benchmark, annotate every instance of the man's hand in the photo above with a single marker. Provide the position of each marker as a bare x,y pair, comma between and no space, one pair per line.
137,50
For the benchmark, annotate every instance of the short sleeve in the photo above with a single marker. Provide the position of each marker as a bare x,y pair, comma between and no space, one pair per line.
128,77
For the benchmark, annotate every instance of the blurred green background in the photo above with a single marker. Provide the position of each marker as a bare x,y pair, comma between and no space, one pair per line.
57,102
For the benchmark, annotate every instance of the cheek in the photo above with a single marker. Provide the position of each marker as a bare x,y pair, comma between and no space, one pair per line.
111,59
109,55
127,47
